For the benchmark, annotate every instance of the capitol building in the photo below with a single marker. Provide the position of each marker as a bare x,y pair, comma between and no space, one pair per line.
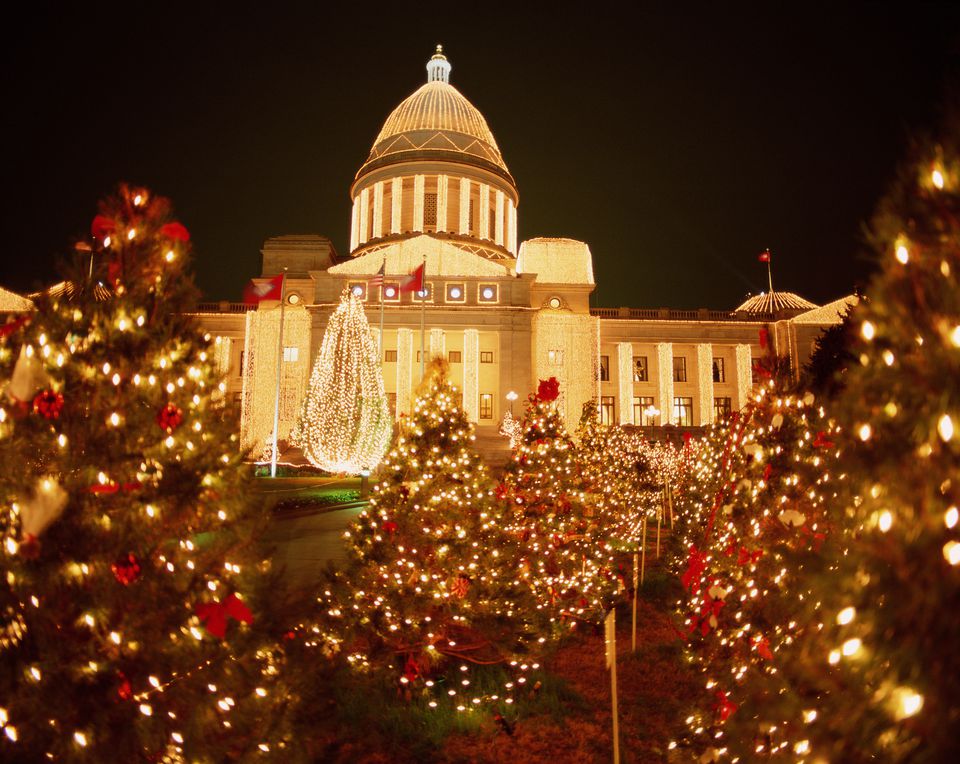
435,190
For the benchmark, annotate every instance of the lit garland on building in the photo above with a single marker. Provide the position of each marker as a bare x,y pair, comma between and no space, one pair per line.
345,423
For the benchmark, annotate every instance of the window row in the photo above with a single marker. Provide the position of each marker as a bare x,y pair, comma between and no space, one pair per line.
641,369
646,413
486,404
453,356
453,292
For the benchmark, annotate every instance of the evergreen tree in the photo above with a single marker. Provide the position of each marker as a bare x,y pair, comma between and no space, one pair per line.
569,561
127,534
433,585
885,663
345,423
824,373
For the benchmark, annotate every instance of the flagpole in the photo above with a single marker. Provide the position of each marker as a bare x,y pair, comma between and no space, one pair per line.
423,317
276,402
769,272
383,276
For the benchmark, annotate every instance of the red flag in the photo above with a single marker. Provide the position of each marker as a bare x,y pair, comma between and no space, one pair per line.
764,256
257,291
413,282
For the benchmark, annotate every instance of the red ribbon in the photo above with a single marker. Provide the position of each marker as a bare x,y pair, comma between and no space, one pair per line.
213,615
115,487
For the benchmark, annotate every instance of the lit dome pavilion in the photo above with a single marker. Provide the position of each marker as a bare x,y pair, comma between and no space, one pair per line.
782,304
435,168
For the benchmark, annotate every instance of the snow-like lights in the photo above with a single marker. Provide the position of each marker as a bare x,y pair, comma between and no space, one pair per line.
846,615
945,428
868,330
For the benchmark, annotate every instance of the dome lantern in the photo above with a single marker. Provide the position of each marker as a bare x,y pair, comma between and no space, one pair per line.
438,68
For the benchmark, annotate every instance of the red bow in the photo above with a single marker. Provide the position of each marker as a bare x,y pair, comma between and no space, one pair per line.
114,487
213,615
176,231
822,441
763,647
724,706
746,556
390,526
696,564
548,389
709,608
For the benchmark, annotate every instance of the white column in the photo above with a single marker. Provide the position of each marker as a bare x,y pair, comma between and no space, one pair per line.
355,225
437,344
625,381
744,375
364,214
396,200
665,381
378,210
705,382
471,374
498,227
484,212
464,207
442,202
418,185
511,227
404,370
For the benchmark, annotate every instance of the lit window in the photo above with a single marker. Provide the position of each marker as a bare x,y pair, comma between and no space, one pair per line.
392,403
555,357
390,356
607,409
486,405
359,289
456,293
486,356
643,410
640,368
454,356
487,293
679,369
683,411
719,373
391,292
291,355
721,408
554,302
604,368
430,211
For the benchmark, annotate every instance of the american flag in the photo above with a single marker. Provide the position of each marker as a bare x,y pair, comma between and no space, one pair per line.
377,278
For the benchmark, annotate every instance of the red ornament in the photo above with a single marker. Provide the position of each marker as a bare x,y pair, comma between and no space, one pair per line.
763,648
102,226
767,471
169,417
411,669
548,389
124,690
48,404
126,570
724,706
822,441
176,231
390,527
213,615
460,586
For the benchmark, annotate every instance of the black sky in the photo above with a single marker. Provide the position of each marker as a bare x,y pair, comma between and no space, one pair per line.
677,143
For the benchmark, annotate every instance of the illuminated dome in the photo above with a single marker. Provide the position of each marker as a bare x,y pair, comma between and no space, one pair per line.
435,168
774,303
436,122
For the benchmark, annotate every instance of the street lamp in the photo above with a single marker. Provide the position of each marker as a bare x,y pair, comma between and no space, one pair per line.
512,396
651,412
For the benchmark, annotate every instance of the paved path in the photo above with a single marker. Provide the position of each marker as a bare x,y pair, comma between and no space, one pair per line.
307,543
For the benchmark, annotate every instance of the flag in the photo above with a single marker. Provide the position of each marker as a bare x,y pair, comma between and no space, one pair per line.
257,291
377,278
413,282
764,256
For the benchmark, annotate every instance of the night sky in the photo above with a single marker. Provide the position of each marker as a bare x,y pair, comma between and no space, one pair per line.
677,144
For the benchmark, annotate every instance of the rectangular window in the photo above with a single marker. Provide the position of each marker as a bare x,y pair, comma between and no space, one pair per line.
359,288
719,373
641,410
454,356
430,210
238,398
639,368
390,356
392,403
390,291
426,295
493,223
471,226
486,405
607,412
486,356
679,368
486,293
290,355
604,368
242,357
456,293
721,408
683,411
555,357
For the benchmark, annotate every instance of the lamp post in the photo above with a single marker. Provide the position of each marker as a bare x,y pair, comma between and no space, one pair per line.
512,396
651,412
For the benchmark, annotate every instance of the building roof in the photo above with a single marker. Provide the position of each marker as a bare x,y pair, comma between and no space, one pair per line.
443,260
437,121
772,303
831,313
11,302
556,261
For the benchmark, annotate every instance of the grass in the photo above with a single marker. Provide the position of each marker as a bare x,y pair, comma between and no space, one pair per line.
283,494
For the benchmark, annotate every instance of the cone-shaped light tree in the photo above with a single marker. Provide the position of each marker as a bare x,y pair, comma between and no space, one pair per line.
434,584
126,529
345,422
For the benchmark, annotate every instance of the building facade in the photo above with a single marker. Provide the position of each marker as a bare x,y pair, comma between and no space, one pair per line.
436,191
